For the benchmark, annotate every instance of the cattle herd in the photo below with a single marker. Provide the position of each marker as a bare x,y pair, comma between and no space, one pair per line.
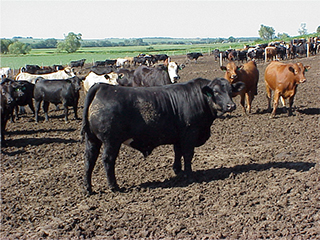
256,177
144,90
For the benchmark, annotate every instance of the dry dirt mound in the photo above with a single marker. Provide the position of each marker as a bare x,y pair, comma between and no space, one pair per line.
256,177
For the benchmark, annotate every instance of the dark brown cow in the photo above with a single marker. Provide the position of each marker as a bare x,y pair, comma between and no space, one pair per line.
247,73
283,80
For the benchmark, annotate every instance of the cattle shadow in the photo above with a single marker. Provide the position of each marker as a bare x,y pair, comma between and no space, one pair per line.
309,111
36,142
30,132
222,173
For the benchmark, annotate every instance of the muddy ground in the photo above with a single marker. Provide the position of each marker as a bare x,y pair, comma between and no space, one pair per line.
255,177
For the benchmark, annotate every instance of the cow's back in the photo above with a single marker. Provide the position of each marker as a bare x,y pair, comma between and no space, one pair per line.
275,73
249,74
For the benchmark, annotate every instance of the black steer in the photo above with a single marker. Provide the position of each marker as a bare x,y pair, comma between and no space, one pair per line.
8,90
64,91
194,55
144,118
27,98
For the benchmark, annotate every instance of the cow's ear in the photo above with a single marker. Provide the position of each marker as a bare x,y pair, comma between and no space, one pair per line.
240,67
207,91
181,66
306,68
223,68
291,69
237,88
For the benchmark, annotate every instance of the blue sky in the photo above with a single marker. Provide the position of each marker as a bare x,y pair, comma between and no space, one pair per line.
133,19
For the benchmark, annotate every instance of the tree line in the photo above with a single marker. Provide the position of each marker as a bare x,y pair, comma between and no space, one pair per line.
72,42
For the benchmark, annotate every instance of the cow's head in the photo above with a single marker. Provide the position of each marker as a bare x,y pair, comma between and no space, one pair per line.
112,78
231,71
220,91
69,71
76,83
298,70
173,69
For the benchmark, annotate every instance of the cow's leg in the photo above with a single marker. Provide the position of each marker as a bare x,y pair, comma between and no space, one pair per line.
37,108
65,108
177,159
91,154
290,105
275,103
110,153
75,109
187,157
249,98
45,109
268,97
242,102
30,104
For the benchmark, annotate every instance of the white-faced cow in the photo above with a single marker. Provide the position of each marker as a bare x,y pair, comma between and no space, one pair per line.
92,78
156,76
144,118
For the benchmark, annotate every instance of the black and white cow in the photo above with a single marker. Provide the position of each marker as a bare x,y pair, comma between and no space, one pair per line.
156,76
144,118
65,91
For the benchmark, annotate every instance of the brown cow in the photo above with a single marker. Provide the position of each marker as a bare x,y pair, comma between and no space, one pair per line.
247,73
283,80
271,53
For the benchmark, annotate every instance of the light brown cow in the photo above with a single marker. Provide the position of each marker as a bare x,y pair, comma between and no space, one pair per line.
247,73
283,80
271,53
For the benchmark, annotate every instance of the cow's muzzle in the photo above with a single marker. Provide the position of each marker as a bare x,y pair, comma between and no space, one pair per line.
230,107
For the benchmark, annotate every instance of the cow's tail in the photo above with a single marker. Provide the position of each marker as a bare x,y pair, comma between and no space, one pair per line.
85,128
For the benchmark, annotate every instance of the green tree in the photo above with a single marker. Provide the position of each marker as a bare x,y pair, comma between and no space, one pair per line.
71,43
19,48
283,35
5,45
266,33
318,29
303,29
231,39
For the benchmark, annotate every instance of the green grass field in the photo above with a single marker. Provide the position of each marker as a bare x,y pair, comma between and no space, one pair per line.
48,57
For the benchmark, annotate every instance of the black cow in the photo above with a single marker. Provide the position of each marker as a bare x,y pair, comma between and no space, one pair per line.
301,49
102,69
125,77
216,54
77,63
30,68
161,57
144,118
156,76
22,99
8,89
194,55
242,55
64,91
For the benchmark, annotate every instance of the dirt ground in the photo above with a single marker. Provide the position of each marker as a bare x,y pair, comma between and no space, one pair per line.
255,178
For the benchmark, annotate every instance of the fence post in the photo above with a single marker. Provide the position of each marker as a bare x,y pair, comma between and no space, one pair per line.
220,59
265,55
307,49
